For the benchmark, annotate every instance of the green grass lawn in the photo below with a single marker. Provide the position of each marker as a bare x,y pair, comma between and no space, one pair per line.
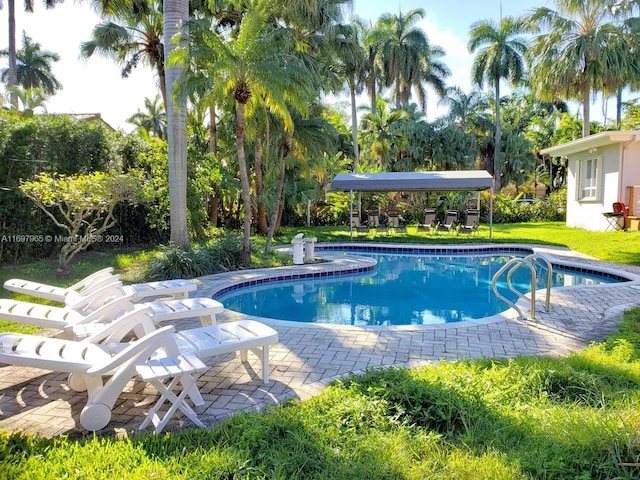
618,246
527,418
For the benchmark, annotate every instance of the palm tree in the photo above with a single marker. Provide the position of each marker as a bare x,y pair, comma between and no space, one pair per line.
175,12
311,138
578,51
434,74
351,64
130,36
500,55
371,72
257,65
153,120
30,98
12,52
401,48
34,67
379,134
463,108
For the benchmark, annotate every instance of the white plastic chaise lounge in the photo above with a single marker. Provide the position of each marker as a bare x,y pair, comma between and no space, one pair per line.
179,361
178,288
89,364
71,318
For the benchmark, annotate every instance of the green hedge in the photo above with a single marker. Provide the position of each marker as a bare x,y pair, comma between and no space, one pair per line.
62,144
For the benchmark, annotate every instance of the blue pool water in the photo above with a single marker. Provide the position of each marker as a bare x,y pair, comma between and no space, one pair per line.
404,289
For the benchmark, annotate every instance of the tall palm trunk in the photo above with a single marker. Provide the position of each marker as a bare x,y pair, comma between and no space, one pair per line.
372,95
216,200
175,12
275,215
618,108
244,181
261,214
162,82
398,91
13,56
586,110
213,130
497,164
354,129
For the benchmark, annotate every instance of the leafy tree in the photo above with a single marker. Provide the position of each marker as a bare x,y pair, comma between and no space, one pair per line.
351,64
520,162
82,206
29,99
451,148
464,109
153,120
257,67
12,78
311,138
33,69
130,36
406,56
418,134
175,13
579,50
500,55
378,136
631,119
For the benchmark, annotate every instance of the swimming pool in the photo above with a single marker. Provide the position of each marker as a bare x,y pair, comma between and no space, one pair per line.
403,289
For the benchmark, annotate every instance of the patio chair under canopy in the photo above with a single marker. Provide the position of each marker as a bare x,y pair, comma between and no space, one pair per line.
440,181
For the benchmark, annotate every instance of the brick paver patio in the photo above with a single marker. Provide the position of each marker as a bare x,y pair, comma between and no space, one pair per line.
308,357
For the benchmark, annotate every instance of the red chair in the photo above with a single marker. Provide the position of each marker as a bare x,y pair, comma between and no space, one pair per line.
619,207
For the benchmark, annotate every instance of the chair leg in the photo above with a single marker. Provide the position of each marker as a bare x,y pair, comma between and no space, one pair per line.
263,354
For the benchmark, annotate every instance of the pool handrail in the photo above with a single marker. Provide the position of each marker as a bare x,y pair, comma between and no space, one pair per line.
510,267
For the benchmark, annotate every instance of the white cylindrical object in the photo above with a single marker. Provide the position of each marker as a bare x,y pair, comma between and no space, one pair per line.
298,251
310,249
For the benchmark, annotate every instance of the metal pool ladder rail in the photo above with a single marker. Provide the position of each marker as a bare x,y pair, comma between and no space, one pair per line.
510,267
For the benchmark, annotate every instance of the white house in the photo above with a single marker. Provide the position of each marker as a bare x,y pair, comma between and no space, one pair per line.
602,169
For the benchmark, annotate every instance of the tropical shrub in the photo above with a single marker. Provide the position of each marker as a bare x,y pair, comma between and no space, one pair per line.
179,262
82,207
38,144
218,255
509,210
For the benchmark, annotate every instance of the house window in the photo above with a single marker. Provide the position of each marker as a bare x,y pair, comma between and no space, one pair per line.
589,179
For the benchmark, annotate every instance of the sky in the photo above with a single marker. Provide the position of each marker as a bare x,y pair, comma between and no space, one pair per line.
96,86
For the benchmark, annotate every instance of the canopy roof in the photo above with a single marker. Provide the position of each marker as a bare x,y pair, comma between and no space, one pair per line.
466,180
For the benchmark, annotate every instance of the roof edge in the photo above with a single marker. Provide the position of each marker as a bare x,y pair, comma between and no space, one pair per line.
598,140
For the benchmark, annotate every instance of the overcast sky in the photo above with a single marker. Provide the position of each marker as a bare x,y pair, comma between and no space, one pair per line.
95,85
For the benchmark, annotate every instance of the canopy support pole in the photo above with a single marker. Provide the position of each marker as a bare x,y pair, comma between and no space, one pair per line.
490,215
351,214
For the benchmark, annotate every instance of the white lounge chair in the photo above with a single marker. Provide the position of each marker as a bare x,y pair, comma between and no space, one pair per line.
238,336
242,336
159,355
89,363
84,322
178,288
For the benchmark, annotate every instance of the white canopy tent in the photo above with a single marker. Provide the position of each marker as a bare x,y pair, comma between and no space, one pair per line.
458,180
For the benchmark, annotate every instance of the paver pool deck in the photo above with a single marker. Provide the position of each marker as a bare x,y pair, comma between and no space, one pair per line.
308,357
